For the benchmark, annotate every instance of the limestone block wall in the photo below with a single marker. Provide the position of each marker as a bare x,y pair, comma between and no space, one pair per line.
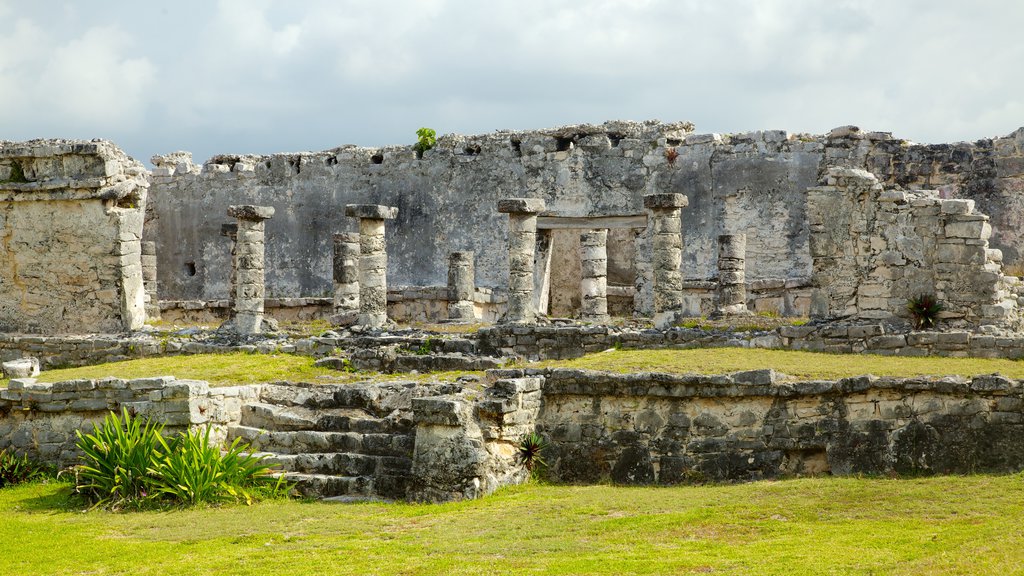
875,249
657,428
753,183
40,419
71,215
466,447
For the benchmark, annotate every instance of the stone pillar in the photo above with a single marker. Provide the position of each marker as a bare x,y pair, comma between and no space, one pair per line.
522,241
373,262
230,231
594,283
461,287
248,265
346,277
732,281
666,255
152,301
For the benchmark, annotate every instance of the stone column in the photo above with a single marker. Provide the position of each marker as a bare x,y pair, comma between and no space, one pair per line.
732,281
248,264
149,280
666,255
230,231
461,287
373,262
522,241
594,283
346,277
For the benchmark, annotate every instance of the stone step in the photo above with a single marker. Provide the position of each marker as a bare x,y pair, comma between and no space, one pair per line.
323,396
282,418
340,463
328,486
315,441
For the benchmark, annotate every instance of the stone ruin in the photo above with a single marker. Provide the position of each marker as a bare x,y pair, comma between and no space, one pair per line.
590,222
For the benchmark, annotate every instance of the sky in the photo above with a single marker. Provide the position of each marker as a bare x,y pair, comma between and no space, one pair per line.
265,76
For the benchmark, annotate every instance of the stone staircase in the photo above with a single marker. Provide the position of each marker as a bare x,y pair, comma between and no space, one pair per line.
346,442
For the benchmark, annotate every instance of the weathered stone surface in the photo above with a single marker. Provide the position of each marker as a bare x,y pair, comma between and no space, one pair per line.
665,201
251,212
72,225
521,205
21,368
372,211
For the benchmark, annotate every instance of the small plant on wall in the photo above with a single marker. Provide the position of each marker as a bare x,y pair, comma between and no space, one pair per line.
924,310
426,139
671,154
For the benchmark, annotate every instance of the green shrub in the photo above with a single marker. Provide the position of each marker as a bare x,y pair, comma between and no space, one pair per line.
16,469
192,470
127,462
116,459
426,139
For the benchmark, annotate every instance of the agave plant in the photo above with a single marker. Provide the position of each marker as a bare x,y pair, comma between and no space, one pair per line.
530,448
924,310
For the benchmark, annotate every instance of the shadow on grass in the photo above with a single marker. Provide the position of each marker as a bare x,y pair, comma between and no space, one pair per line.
48,497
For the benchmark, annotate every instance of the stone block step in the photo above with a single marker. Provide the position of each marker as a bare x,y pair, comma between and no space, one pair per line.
315,441
327,486
323,396
341,463
283,418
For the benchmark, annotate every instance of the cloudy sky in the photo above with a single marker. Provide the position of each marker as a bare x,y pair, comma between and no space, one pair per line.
260,76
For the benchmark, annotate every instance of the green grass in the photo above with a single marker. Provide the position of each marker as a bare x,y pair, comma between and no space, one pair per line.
797,364
232,369
944,525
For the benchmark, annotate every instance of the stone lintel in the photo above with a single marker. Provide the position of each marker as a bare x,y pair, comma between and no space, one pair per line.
371,211
521,205
665,201
251,212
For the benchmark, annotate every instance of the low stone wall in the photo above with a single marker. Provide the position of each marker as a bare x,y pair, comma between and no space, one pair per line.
405,304
647,428
40,419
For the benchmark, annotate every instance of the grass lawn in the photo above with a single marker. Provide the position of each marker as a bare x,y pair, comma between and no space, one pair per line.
229,370
943,525
801,365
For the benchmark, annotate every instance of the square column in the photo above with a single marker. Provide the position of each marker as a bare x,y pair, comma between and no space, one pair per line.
732,281
594,282
522,242
373,262
248,263
666,255
149,282
461,287
346,277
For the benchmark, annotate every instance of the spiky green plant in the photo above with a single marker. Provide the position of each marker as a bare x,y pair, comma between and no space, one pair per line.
531,446
924,310
116,459
15,469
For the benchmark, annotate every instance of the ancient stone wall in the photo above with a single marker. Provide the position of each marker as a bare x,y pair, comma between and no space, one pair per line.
71,217
875,250
753,183
40,419
647,428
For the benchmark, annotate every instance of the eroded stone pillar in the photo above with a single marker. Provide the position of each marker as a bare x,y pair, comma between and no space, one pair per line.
666,255
594,282
461,286
152,302
346,274
248,264
373,262
732,281
230,231
522,242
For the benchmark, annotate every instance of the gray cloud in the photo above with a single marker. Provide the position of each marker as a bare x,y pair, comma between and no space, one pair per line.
244,76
